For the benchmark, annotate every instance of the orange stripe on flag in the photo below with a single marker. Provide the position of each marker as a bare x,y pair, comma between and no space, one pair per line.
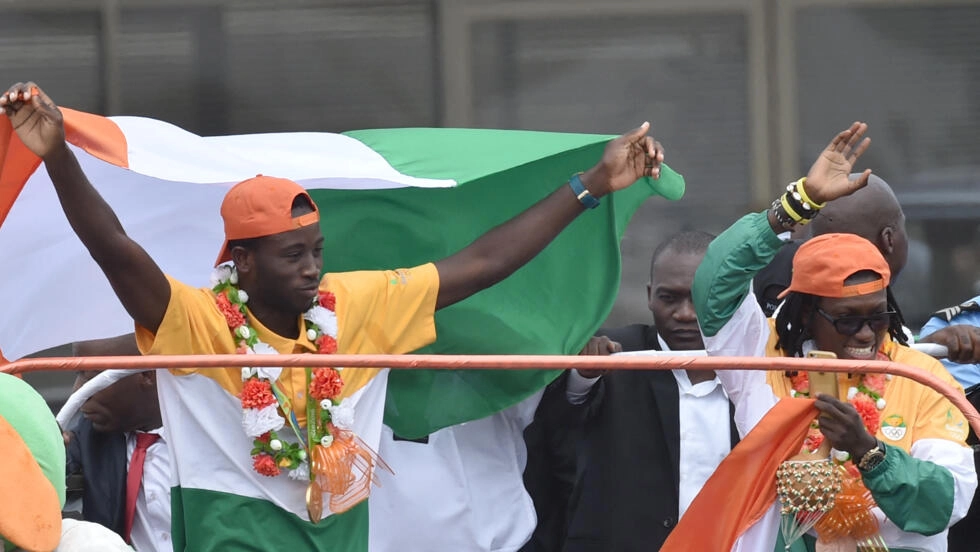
745,482
95,134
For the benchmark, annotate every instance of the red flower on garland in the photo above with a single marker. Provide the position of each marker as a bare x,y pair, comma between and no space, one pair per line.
865,406
232,315
264,438
328,300
265,465
801,383
326,384
257,393
326,345
813,440
875,383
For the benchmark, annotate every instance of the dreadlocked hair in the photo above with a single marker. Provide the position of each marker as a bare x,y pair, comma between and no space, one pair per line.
896,327
792,332
790,329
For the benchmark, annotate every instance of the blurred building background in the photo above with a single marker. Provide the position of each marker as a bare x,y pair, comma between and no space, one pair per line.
743,93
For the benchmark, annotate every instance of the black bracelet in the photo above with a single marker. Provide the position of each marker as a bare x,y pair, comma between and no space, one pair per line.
782,217
804,209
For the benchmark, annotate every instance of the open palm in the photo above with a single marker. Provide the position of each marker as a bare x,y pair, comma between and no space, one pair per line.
829,177
35,118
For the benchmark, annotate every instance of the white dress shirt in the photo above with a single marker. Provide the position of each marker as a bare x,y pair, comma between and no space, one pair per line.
705,427
151,524
462,490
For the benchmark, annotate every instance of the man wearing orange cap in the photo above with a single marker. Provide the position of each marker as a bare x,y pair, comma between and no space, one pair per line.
903,440
232,430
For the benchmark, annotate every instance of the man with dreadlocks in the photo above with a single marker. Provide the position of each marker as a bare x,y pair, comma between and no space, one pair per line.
903,440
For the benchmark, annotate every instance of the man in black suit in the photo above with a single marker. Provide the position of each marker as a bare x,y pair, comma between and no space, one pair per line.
101,447
648,439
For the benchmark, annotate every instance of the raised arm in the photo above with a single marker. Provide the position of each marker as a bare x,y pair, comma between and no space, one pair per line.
504,249
722,281
137,280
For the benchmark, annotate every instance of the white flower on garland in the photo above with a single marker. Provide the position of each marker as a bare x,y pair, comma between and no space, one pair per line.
851,393
258,421
840,455
300,472
242,296
221,274
270,373
342,415
880,403
324,319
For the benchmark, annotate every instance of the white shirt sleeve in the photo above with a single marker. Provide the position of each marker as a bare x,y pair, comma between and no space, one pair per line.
577,387
745,335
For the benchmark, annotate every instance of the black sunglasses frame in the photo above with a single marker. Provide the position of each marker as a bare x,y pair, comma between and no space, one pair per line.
881,319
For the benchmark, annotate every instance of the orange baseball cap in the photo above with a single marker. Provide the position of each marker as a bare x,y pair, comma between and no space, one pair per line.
262,206
822,264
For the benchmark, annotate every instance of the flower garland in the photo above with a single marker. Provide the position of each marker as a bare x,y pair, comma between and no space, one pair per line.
868,398
851,516
262,399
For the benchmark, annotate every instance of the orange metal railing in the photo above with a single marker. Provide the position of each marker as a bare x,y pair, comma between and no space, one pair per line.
510,362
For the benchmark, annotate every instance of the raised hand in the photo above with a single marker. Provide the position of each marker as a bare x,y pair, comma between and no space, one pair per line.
624,161
35,118
829,177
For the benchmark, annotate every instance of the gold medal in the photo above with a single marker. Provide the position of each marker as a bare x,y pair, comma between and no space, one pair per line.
314,502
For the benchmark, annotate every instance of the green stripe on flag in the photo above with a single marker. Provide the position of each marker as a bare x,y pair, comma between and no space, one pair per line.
550,306
224,521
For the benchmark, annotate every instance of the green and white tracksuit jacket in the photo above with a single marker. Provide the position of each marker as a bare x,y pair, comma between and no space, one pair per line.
928,478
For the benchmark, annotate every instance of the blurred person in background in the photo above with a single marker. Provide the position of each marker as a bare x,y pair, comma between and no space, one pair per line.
32,485
958,329
649,439
770,282
118,462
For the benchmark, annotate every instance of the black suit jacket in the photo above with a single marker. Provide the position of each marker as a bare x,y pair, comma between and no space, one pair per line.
625,494
100,459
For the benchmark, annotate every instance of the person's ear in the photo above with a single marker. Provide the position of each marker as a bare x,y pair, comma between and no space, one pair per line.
244,259
886,240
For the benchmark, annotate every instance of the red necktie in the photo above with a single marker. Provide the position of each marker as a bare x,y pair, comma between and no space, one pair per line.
135,478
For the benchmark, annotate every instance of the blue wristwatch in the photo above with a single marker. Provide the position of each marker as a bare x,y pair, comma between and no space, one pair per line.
585,198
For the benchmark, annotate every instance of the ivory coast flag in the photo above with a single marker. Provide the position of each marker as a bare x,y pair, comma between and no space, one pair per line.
388,198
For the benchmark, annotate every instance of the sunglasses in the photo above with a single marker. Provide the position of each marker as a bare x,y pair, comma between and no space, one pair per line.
850,325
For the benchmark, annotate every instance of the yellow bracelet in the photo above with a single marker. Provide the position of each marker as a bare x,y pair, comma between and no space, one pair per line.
789,211
806,198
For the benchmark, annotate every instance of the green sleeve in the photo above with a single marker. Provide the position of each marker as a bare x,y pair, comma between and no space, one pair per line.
732,260
916,495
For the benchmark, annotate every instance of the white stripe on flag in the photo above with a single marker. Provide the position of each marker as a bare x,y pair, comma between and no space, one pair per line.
322,160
